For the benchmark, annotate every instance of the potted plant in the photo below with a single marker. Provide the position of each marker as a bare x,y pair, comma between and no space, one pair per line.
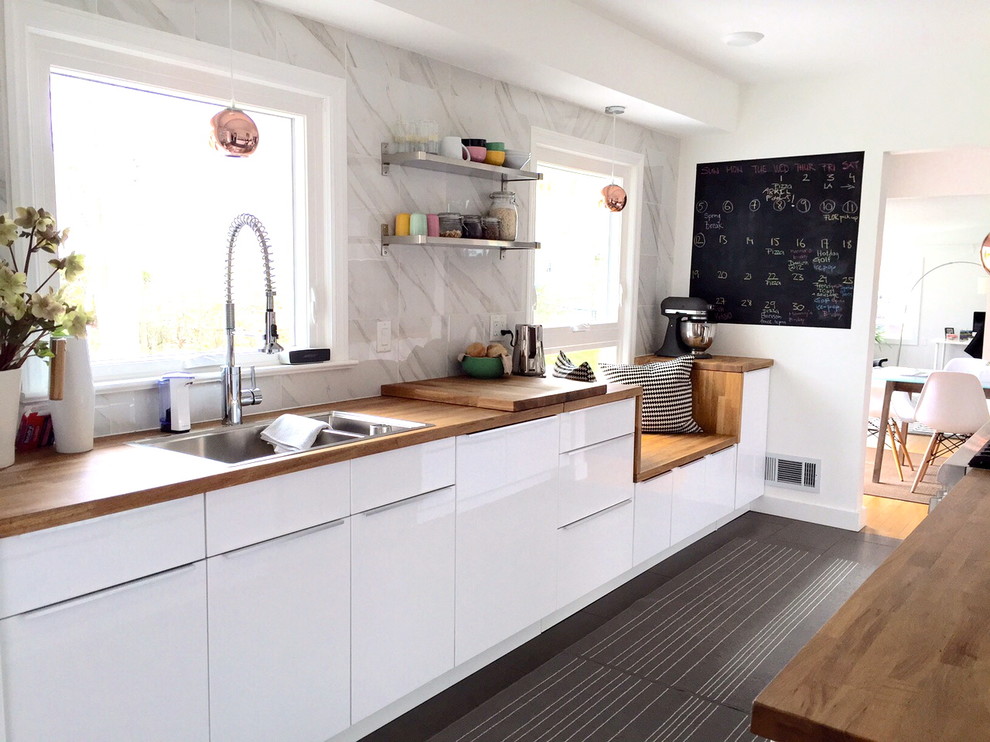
29,318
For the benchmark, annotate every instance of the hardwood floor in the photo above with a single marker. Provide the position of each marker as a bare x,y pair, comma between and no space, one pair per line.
893,518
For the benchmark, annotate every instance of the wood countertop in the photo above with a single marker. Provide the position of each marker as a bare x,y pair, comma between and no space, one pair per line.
44,489
734,364
907,657
509,393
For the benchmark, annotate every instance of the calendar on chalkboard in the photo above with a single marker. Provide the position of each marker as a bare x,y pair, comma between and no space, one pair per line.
775,240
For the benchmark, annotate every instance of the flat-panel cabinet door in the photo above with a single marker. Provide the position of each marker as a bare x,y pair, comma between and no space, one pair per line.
402,598
506,510
752,448
653,501
594,477
593,551
280,638
125,663
690,509
720,480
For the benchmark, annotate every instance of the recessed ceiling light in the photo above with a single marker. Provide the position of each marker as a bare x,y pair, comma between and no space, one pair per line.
742,38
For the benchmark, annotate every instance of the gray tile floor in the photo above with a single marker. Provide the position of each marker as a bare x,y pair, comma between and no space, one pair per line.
674,699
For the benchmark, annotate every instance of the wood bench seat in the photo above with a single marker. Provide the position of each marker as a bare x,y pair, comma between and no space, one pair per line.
661,452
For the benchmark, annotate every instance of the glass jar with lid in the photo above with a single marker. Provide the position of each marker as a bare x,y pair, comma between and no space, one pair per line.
472,226
491,227
504,208
451,224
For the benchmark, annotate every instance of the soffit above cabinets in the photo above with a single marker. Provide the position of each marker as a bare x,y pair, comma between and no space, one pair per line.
559,49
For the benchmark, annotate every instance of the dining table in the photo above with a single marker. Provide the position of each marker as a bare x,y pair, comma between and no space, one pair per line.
899,379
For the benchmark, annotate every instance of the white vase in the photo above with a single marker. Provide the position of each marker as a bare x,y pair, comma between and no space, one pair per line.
10,402
73,416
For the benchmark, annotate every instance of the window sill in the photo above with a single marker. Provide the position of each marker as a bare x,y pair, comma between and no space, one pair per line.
207,377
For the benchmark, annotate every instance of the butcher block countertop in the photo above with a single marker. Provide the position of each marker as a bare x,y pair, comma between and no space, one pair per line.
732,364
509,393
907,657
44,489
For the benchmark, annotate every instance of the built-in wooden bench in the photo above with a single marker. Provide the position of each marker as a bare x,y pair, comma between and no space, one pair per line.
717,407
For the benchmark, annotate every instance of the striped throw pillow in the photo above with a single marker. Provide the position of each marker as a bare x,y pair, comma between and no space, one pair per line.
666,393
564,368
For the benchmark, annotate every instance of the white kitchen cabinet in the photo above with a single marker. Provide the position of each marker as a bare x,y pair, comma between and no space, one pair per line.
390,476
653,503
125,663
402,598
752,449
590,425
506,511
703,492
594,477
279,634
256,511
45,567
593,550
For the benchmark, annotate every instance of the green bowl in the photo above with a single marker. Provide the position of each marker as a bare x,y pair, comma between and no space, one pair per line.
483,368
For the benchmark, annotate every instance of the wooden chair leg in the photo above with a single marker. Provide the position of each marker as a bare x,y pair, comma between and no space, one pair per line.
901,431
929,457
896,452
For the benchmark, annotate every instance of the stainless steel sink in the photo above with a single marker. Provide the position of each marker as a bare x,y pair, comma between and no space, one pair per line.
240,443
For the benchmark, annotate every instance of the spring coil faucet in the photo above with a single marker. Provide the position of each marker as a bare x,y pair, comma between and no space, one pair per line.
233,396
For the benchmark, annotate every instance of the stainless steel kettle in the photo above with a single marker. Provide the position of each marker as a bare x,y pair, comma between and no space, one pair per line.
527,351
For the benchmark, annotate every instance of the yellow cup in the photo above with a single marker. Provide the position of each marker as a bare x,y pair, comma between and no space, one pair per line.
494,157
401,225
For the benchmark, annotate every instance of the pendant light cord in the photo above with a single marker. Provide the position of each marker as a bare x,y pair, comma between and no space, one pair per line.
613,148
230,47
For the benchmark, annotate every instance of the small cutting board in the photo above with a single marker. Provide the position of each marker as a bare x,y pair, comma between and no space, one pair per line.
509,393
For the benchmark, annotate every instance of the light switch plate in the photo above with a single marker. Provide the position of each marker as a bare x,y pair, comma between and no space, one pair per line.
383,343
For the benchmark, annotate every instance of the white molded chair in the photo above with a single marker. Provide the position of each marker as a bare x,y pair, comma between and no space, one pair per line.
976,366
954,406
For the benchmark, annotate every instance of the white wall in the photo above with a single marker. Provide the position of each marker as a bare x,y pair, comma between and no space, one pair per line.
437,301
819,383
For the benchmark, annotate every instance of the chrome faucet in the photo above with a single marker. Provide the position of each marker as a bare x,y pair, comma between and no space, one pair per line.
233,396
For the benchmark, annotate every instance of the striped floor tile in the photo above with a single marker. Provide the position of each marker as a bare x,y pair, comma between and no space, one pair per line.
683,664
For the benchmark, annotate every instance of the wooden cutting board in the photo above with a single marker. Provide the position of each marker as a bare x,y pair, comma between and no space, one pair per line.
509,393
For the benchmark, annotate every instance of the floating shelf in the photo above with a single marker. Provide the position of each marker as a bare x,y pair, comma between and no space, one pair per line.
425,161
454,242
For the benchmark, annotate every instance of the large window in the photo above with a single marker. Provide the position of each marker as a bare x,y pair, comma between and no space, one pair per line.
109,129
584,273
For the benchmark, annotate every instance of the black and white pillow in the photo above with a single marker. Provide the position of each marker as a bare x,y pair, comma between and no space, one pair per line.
564,368
666,393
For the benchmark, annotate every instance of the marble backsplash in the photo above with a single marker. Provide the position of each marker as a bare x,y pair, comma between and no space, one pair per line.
437,301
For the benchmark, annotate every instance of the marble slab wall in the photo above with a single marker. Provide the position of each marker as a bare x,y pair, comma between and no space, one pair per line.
437,301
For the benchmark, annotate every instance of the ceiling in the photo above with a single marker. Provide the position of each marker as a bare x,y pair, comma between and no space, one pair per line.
944,220
803,38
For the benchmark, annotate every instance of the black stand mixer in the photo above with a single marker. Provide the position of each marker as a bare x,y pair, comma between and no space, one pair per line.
678,309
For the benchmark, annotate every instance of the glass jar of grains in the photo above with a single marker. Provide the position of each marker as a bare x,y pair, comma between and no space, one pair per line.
504,208
491,227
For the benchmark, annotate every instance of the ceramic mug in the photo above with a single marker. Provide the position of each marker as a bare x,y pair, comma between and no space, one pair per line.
451,147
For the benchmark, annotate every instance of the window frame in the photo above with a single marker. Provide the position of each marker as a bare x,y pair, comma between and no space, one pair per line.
41,37
574,152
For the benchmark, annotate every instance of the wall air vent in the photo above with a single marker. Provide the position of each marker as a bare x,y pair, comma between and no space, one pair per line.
793,472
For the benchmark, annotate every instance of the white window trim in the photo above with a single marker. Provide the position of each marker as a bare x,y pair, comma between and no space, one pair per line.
545,144
35,32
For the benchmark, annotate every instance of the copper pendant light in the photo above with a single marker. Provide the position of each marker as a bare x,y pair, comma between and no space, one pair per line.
233,133
614,195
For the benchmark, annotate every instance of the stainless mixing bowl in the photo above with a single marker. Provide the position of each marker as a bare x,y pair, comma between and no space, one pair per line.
698,336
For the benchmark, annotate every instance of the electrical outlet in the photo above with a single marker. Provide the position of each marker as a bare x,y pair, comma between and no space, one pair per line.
383,343
496,323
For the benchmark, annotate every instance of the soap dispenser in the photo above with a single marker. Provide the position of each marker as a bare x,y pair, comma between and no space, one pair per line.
173,402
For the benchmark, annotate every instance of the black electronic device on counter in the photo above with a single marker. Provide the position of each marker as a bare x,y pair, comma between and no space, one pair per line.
678,309
304,355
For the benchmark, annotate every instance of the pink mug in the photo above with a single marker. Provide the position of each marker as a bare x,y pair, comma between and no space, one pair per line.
478,154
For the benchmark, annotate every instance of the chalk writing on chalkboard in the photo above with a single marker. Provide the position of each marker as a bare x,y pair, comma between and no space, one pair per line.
775,240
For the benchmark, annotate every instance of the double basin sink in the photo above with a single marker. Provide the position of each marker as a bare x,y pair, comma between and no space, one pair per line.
240,443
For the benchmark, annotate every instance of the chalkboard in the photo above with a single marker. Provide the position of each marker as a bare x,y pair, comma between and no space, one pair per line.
775,239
